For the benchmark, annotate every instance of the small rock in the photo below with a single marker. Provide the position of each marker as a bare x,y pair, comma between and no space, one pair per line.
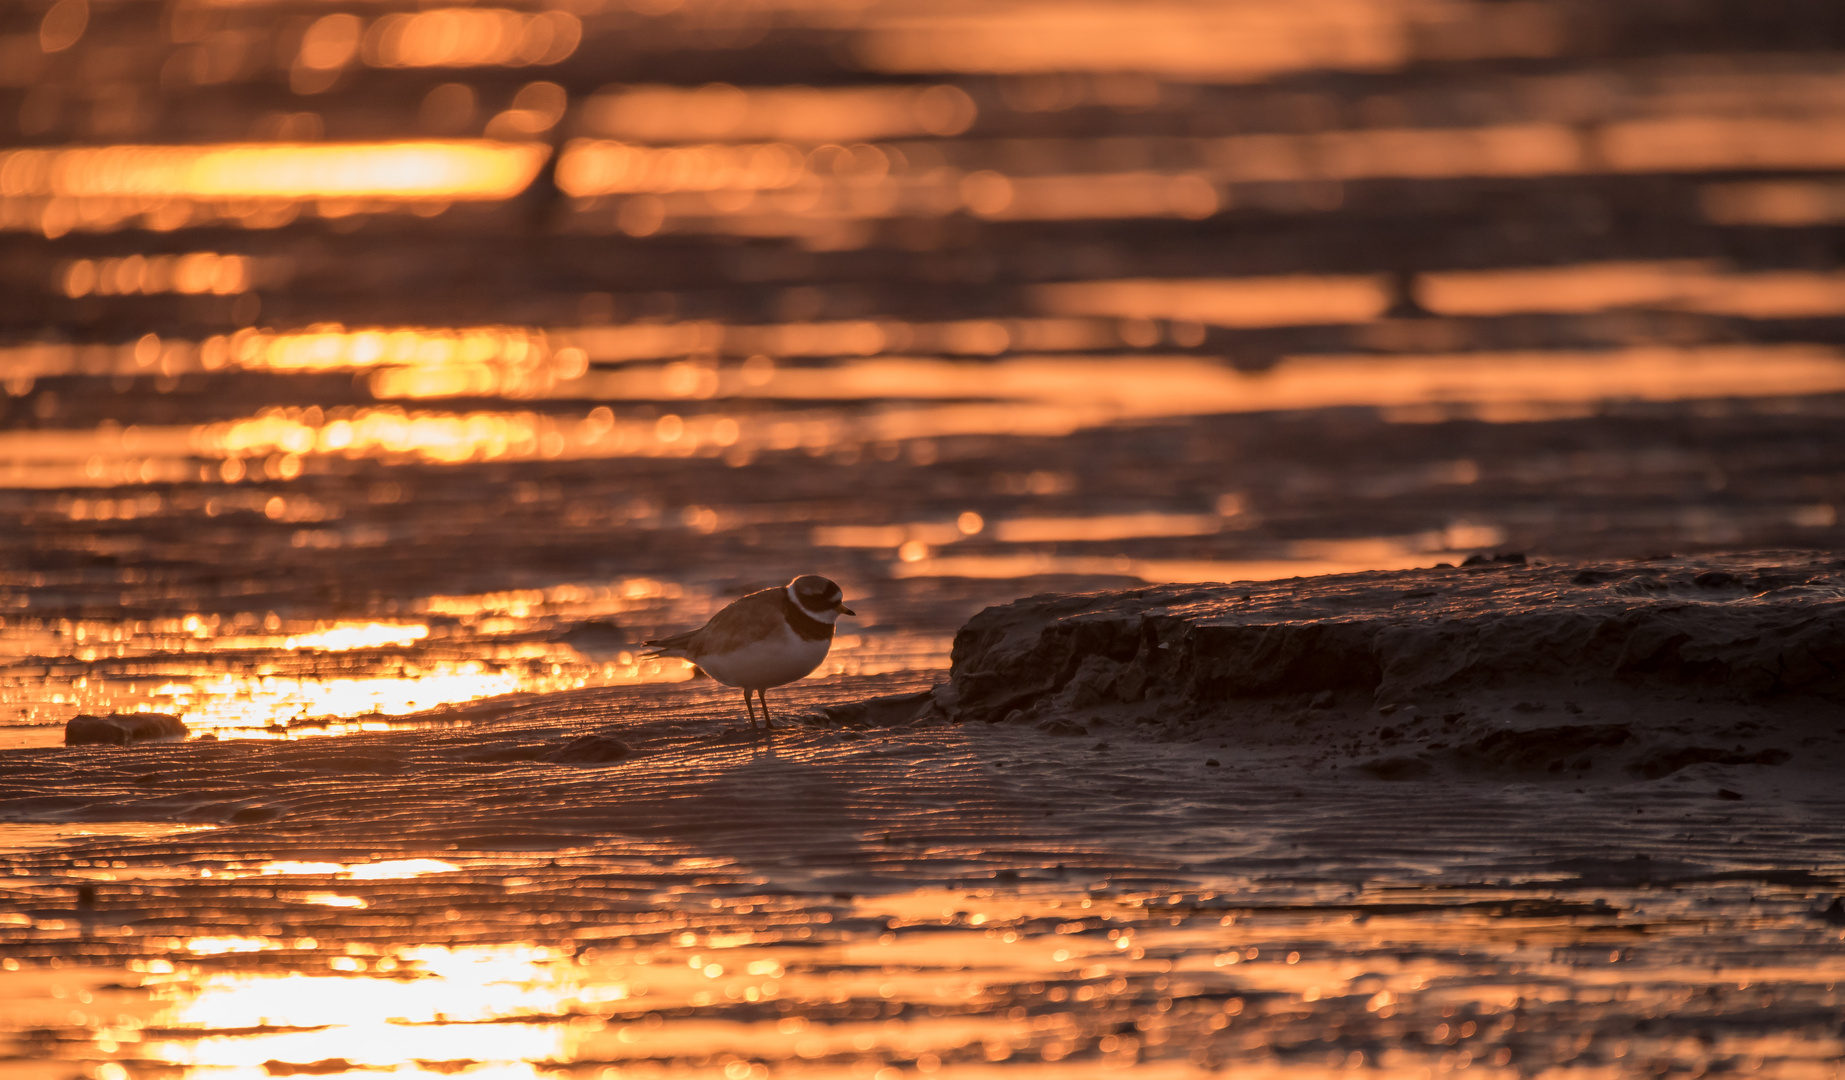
120,729
1716,579
1500,558
591,750
1056,726
1211,763
1726,793
1322,700
891,710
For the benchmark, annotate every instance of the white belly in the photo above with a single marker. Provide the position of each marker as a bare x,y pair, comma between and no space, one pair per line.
775,660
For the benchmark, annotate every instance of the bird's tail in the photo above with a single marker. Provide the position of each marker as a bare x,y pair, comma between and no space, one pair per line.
674,646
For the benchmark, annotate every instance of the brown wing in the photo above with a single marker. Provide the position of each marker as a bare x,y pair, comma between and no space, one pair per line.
747,619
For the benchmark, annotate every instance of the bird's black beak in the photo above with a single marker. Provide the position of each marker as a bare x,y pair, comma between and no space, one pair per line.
844,610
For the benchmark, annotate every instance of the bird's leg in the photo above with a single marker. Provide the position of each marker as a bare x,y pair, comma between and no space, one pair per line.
764,696
752,708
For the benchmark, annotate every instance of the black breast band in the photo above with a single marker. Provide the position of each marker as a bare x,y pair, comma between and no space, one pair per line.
805,625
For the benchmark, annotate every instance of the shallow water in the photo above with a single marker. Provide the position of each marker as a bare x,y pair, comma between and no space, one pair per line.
954,900
385,360
382,373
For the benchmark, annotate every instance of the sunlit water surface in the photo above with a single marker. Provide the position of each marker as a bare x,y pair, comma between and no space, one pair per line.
616,963
373,370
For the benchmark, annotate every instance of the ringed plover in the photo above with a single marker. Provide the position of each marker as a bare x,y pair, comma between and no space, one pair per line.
769,638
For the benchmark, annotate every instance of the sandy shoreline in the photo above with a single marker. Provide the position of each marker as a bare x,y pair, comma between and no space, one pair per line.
929,896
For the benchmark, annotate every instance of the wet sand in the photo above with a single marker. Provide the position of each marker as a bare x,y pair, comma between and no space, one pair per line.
623,878
378,475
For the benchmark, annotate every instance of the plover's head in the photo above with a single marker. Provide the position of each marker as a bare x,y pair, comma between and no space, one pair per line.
818,597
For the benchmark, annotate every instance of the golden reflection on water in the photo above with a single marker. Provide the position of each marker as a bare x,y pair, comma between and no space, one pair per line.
775,181
458,169
1234,43
469,37
369,635
252,676
1279,301
56,190
1026,395
386,870
919,558
1689,285
770,188
295,704
791,114
514,361
1285,980
195,274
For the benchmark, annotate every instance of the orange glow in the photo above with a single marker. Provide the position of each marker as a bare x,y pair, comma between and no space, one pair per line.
596,167
1219,952
465,37
1246,41
1275,301
442,437
1018,530
1691,286
969,337
670,114
886,536
770,189
1033,395
333,347
1593,287
386,870
1775,202
247,706
400,170
357,636
377,1021
414,362
1303,559
198,273
1698,143
1106,195
1103,527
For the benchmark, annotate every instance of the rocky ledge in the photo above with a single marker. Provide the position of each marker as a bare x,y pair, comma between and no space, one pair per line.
1644,667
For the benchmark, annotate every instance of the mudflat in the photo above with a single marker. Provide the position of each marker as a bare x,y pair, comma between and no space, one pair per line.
1435,859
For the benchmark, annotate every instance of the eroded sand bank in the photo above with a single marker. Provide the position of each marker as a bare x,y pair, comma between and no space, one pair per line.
1504,670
